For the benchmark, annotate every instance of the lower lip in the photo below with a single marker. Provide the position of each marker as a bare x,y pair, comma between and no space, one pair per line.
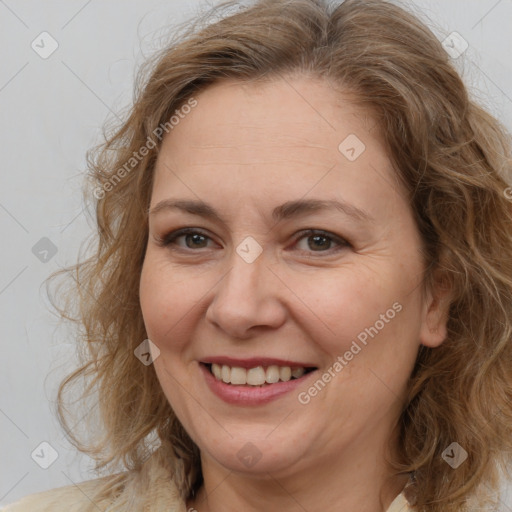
250,395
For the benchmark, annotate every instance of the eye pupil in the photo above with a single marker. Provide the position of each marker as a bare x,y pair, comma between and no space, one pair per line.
196,238
320,238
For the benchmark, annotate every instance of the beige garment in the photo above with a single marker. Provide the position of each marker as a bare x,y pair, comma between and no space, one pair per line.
400,504
151,490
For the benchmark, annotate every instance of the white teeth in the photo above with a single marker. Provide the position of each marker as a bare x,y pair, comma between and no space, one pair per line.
257,376
238,375
217,371
226,374
272,375
285,373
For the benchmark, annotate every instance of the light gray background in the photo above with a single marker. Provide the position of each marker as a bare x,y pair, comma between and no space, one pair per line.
52,111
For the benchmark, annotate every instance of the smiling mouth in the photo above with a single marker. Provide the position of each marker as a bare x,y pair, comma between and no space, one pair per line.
258,376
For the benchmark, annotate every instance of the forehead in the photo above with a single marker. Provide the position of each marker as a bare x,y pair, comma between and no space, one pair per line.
279,136
288,111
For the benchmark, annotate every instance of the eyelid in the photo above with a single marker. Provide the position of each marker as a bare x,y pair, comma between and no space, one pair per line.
168,239
305,233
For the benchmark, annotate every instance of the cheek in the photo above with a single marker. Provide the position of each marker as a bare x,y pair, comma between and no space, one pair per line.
166,301
359,305
172,300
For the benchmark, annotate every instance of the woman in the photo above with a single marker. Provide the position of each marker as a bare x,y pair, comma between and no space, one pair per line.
302,293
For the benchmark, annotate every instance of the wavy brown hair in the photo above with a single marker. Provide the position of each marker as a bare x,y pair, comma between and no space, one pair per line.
454,160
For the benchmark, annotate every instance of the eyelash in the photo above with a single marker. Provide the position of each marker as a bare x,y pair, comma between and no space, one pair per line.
169,239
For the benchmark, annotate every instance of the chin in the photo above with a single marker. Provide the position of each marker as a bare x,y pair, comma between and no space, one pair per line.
255,455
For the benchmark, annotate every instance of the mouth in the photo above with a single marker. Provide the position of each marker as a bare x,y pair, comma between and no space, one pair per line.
258,375
255,381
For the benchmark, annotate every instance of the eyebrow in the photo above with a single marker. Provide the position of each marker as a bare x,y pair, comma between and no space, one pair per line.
287,210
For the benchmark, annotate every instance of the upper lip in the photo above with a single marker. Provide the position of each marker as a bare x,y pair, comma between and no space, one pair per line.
253,362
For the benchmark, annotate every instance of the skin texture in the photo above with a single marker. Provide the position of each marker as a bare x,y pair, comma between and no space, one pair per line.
245,149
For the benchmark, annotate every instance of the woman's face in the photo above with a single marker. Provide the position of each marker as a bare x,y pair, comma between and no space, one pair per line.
275,279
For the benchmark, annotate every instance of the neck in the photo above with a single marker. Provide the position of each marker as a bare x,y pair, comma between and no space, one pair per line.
329,485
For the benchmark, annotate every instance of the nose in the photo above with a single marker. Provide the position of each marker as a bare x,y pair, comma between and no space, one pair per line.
247,299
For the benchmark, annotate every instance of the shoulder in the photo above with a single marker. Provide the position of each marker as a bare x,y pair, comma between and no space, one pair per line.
151,489
71,498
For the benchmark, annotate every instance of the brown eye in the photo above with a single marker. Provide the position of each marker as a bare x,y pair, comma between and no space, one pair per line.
320,241
193,238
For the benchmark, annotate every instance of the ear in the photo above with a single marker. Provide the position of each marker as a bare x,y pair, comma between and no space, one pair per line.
435,312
